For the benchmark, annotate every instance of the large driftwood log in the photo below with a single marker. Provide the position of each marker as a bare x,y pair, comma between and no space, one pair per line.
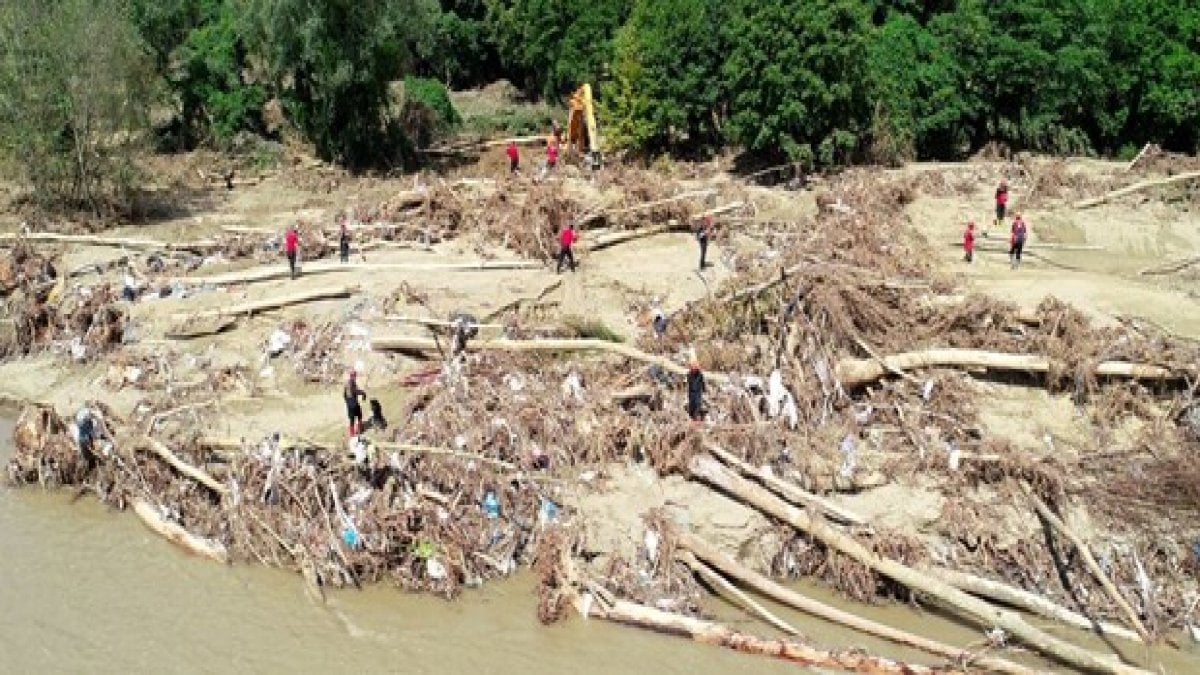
712,633
791,492
117,242
853,372
274,272
693,194
1030,602
277,302
669,226
707,469
1137,187
748,603
183,467
175,534
422,344
786,596
1089,561
234,444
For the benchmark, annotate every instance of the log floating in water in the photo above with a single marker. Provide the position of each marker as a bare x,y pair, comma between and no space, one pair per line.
786,596
710,632
750,604
707,469
175,534
1137,187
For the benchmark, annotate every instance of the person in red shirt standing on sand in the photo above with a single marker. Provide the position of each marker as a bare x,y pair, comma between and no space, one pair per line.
969,241
551,156
566,239
291,244
514,157
1001,202
1017,241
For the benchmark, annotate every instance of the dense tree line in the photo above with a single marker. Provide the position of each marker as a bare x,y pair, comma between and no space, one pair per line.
818,81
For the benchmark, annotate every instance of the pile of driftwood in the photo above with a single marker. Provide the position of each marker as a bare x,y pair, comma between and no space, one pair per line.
835,364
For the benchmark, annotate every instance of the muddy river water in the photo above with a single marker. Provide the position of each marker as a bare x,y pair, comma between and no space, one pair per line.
83,588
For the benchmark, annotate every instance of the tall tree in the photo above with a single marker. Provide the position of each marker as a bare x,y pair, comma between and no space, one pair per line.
333,62
76,86
797,78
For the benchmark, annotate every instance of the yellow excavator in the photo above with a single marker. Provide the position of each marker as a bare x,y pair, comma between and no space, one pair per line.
582,134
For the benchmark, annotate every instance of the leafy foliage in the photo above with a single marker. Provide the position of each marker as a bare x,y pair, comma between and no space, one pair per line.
331,63
76,86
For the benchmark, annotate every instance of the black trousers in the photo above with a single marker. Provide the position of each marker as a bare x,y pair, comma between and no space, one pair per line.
694,405
1018,245
354,412
344,249
565,255
291,256
703,252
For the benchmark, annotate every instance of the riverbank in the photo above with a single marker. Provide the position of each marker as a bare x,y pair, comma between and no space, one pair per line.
600,439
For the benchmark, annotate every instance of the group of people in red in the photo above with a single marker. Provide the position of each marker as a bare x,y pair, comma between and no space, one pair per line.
552,146
1017,233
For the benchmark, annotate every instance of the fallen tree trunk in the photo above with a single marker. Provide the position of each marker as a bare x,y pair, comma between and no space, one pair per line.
712,633
282,272
707,469
1170,268
175,534
986,244
1030,602
423,344
267,304
740,597
436,323
1085,553
788,491
184,468
234,444
1137,187
853,372
669,226
116,242
786,596
694,194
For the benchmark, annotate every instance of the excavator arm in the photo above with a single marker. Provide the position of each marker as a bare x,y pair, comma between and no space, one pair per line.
582,134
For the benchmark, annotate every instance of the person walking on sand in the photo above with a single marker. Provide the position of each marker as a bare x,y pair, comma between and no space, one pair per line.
514,157
969,242
352,394
1001,202
344,240
291,243
1017,241
695,387
702,235
566,239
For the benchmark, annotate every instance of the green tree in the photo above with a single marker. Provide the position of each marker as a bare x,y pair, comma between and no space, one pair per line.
666,85
550,47
917,98
332,63
797,79
200,49
462,53
77,84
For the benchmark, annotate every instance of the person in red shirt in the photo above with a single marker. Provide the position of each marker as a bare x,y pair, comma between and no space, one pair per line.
551,155
969,241
1001,202
291,243
1017,241
514,157
566,239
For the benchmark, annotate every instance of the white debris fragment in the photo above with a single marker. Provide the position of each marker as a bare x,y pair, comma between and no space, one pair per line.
278,342
572,387
849,456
